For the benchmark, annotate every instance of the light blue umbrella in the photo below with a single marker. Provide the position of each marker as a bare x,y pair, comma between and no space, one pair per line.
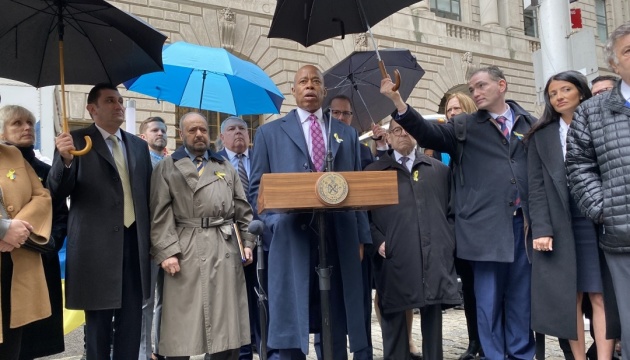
210,79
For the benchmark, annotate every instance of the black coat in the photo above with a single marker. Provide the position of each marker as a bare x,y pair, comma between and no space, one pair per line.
493,170
418,233
597,162
45,337
95,223
554,273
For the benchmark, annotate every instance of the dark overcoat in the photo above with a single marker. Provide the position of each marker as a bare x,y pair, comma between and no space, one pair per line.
280,147
554,273
419,239
95,222
493,170
45,337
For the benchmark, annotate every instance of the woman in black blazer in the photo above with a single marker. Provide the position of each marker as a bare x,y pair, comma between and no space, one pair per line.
565,260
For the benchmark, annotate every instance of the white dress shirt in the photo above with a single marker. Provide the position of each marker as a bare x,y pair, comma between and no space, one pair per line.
306,128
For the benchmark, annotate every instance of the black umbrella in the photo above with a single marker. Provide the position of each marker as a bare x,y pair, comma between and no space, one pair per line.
358,77
311,21
103,43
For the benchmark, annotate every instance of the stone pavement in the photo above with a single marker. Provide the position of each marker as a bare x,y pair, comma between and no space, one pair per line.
454,332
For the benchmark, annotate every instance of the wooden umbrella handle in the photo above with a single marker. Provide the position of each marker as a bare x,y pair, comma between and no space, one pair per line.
381,65
88,141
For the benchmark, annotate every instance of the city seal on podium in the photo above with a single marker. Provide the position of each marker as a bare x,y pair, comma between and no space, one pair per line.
331,188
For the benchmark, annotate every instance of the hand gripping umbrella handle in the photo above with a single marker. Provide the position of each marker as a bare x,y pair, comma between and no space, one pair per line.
381,65
86,149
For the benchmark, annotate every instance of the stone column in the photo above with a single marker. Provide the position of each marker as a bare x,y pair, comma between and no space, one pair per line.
422,5
489,13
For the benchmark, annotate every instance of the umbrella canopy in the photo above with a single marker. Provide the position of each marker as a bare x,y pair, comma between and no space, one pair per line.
358,77
211,79
101,42
311,21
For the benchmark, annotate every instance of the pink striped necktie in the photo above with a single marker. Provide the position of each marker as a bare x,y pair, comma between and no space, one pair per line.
502,121
318,151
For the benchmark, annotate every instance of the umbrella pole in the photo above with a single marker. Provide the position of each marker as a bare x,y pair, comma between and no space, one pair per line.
381,64
203,84
88,140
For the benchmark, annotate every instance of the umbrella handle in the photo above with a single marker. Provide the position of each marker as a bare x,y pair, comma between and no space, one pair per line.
381,66
86,149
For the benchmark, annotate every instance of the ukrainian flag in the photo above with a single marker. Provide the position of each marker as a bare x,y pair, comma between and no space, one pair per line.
72,319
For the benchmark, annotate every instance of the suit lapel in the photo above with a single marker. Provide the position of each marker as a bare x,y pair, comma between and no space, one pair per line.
550,152
131,154
100,146
292,127
335,142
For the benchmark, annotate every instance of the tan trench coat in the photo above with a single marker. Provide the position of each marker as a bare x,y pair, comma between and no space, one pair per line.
26,199
205,304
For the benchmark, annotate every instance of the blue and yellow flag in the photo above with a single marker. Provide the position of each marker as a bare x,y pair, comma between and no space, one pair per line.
72,319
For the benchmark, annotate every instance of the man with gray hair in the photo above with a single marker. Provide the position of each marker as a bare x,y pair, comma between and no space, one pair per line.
598,154
235,139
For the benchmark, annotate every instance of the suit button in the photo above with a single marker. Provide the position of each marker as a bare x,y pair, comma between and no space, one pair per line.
513,181
116,228
511,203
115,179
303,226
10,208
512,160
503,141
227,255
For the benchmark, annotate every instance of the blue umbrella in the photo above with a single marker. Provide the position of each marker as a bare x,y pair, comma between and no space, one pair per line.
211,79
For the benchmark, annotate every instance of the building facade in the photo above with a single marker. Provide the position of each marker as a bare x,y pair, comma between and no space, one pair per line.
448,37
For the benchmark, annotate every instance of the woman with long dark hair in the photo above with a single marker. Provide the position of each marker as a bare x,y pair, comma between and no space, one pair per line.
565,261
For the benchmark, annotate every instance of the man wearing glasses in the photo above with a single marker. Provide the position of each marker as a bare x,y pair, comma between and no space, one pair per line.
341,108
603,83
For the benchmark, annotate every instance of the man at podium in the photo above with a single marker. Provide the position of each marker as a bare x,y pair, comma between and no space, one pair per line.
298,142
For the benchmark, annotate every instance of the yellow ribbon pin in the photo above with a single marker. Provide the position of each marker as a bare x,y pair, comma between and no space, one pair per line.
337,138
518,135
219,174
415,175
11,174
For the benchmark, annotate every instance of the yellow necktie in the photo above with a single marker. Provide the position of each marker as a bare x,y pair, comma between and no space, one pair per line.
119,159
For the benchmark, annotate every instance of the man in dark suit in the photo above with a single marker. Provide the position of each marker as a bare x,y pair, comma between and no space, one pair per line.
490,205
298,142
235,139
107,268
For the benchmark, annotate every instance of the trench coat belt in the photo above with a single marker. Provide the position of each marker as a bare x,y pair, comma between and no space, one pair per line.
203,222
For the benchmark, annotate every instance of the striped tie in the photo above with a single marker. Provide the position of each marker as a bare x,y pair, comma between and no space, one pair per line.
502,121
242,173
318,150
200,166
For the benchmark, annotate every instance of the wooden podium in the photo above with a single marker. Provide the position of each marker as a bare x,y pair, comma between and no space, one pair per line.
296,192
320,192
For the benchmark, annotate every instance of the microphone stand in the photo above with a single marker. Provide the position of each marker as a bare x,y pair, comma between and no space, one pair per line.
262,299
324,271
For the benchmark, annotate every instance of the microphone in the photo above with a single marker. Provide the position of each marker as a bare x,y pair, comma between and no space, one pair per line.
256,227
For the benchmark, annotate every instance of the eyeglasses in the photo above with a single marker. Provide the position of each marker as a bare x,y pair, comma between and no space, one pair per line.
339,113
602,90
399,131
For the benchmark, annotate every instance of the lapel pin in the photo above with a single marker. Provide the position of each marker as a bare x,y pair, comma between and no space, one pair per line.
11,174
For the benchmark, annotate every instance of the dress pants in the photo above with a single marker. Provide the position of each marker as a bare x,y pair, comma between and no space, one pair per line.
10,347
147,318
465,272
246,352
619,266
366,353
503,294
127,318
396,337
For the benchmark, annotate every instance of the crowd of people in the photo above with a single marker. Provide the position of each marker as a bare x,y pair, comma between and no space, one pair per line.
532,215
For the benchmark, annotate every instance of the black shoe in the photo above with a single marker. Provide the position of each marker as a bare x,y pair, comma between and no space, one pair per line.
474,348
415,356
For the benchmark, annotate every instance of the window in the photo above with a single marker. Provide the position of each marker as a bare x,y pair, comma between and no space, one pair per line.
602,26
214,124
449,9
530,22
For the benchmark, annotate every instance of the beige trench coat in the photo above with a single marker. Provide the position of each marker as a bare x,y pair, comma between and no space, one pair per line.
205,304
